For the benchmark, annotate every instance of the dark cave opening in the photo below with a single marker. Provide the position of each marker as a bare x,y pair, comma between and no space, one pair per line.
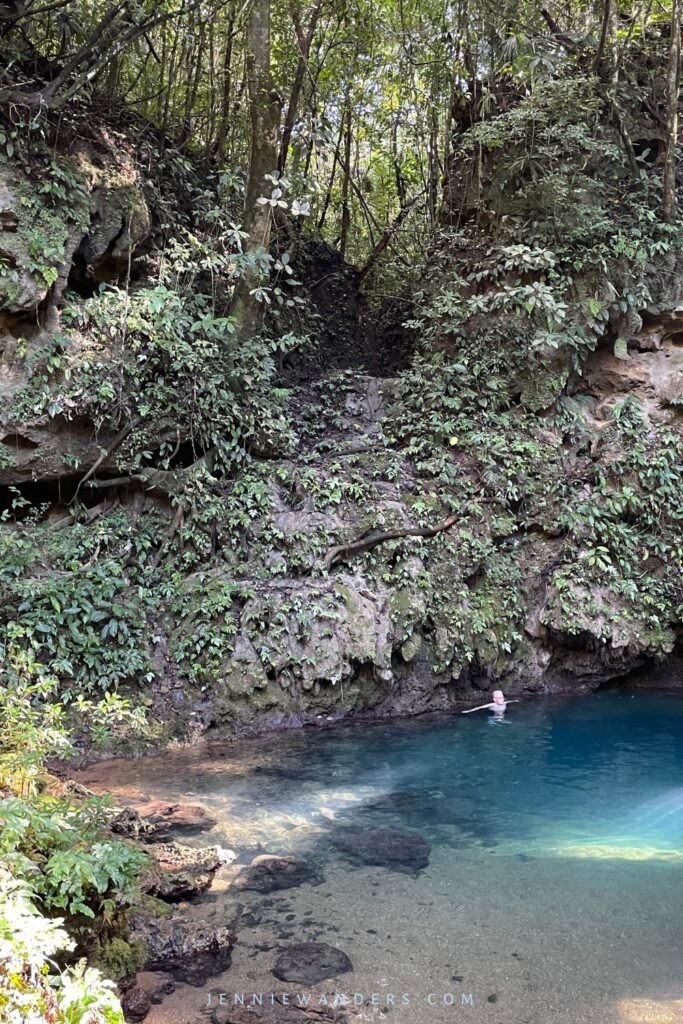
38,497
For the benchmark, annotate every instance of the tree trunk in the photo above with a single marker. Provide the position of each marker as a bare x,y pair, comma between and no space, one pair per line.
222,141
330,186
606,32
264,108
673,82
345,197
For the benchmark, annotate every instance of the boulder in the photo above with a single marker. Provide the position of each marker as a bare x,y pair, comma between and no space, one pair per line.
157,819
158,992
268,873
135,1003
156,986
179,872
308,963
387,848
191,951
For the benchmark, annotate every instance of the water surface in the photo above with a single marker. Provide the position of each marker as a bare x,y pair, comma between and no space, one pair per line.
553,892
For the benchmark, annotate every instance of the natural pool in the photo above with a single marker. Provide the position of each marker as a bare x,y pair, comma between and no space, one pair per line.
555,879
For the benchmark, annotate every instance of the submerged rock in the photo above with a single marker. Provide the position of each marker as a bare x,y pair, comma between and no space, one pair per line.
179,872
398,851
269,873
307,963
191,951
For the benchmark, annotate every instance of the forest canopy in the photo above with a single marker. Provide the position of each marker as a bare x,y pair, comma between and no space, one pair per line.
359,105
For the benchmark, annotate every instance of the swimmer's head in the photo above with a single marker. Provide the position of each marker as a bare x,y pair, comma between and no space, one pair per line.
498,697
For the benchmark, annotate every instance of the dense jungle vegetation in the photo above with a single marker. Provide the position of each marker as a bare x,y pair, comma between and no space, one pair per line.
226,230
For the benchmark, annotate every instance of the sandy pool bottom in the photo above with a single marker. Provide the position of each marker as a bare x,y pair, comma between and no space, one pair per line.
482,936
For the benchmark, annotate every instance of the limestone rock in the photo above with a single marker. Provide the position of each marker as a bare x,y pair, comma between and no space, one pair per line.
37,240
20,290
192,951
157,819
127,822
183,818
120,224
179,872
46,447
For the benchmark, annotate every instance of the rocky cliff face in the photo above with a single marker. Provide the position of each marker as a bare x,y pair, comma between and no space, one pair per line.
417,625
336,573
72,220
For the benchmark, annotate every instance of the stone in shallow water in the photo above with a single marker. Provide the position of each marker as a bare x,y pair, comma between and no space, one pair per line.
177,872
157,819
176,817
398,851
268,873
191,951
135,1003
307,963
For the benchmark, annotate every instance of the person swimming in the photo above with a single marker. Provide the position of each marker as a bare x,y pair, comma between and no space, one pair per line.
498,705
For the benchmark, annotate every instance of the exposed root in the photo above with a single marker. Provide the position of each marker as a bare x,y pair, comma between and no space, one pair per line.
371,538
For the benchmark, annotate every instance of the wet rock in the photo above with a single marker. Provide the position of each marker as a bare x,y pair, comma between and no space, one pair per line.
135,1003
179,872
191,951
308,963
398,851
250,919
268,873
159,818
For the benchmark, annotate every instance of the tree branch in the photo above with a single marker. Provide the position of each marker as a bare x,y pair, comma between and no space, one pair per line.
387,236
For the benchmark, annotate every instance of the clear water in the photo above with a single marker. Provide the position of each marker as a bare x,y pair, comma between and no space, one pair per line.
554,887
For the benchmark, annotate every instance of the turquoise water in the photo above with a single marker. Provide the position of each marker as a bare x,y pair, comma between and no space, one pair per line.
554,887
